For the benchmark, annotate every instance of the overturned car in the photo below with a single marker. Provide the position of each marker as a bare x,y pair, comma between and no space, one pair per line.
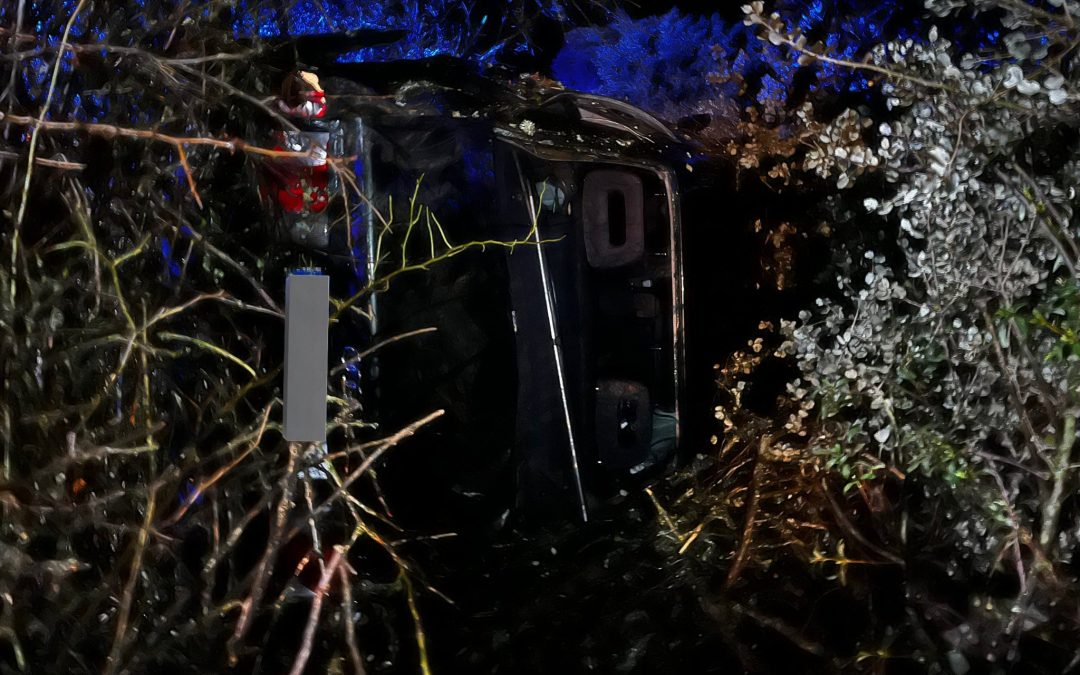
553,332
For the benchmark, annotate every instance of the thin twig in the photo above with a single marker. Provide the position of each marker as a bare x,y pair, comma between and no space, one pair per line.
349,623
114,131
1059,219
1014,522
129,588
43,161
31,155
209,481
751,517
203,344
328,574
379,345
421,637
384,445
853,531
250,605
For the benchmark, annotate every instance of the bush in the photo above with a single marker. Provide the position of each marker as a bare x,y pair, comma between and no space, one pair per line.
945,352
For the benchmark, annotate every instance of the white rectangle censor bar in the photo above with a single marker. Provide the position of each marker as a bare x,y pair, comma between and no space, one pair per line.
307,306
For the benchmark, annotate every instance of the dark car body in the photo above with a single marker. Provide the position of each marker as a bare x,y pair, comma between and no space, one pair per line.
559,359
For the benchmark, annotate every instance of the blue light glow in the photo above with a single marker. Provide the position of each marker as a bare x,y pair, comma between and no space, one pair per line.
675,64
431,27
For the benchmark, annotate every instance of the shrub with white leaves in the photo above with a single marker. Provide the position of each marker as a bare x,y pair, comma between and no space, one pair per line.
950,349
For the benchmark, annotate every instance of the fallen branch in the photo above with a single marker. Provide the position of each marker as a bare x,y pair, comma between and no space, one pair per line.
751,516
114,131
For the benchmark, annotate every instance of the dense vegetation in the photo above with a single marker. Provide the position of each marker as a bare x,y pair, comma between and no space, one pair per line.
891,482
936,389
